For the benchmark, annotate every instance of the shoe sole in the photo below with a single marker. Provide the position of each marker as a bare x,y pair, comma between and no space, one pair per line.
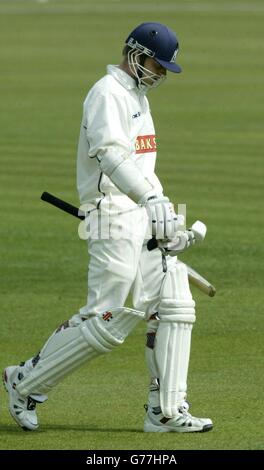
6,387
149,427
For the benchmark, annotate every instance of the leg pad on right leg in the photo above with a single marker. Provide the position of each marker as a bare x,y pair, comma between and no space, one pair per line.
68,348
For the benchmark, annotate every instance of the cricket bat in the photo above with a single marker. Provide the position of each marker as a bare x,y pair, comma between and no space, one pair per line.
194,277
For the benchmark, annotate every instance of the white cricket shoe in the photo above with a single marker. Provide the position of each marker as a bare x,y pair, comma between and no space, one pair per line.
21,409
184,422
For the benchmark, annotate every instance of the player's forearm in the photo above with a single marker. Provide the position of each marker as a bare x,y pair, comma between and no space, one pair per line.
125,174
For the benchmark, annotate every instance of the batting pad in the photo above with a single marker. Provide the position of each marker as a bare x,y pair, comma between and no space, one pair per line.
173,339
68,348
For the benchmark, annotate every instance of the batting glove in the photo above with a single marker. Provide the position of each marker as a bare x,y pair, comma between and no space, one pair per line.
184,240
164,221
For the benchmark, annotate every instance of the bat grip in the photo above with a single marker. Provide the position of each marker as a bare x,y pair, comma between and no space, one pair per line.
64,206
152,244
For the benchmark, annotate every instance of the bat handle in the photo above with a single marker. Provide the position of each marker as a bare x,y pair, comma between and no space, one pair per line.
152,244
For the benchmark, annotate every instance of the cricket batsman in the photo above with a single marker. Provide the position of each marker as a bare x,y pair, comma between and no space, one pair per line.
116,181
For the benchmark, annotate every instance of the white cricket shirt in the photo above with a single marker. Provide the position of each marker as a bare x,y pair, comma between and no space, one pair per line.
116,118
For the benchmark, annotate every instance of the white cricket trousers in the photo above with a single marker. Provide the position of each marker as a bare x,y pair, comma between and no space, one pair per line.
121,264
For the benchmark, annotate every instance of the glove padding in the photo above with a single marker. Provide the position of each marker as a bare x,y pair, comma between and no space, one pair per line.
164,221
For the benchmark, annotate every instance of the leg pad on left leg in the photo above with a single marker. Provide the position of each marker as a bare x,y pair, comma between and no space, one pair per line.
173,339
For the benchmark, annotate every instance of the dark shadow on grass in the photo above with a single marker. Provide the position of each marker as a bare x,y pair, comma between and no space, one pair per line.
63,427
5,430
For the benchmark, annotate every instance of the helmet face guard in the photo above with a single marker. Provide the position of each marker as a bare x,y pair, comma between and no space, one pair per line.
146,79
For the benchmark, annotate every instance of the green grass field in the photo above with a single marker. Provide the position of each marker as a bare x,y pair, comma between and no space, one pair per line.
209,123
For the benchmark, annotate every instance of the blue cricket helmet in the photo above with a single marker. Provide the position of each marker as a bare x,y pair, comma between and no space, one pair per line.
157,41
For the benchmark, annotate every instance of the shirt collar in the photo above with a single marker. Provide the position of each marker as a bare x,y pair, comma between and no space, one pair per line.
122,77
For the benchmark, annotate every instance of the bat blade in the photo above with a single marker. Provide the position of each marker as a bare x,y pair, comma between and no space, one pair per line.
199,281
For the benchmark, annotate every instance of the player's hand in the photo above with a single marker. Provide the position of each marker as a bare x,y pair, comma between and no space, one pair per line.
177,245
183,240
164,221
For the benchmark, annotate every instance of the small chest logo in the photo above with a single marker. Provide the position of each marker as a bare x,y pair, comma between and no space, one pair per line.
107,316
146,143
134,116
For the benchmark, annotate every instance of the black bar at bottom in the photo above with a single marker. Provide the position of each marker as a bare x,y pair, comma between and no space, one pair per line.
118,458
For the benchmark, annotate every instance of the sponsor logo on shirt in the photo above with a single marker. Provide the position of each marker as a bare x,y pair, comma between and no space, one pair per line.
146,143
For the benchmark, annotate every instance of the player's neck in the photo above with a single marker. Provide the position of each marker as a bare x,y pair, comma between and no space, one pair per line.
125,67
